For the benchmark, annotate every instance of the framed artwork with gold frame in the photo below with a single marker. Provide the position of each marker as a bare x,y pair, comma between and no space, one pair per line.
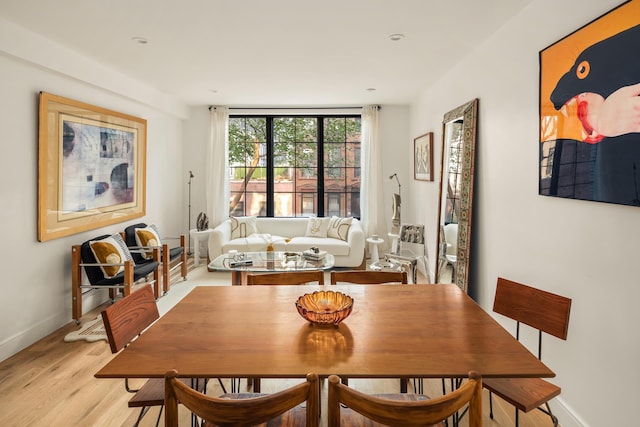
91,167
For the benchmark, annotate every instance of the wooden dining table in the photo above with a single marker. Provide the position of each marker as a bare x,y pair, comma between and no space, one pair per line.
394,331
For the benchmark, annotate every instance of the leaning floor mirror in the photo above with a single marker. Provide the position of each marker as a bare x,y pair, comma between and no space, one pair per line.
456,194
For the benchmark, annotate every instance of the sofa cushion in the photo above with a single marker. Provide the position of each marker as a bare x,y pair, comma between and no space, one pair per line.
317,227
243,226
339,227
285,227
255,243
336,247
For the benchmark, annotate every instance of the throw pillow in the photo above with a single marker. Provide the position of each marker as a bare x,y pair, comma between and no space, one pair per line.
317,227
111,250
148,237
243,226
339,227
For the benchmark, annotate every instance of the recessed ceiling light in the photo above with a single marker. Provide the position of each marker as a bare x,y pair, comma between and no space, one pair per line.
396,37
140,40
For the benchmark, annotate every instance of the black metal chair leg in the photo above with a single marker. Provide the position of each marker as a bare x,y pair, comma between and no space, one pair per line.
224,389
490,405
159,415
141,415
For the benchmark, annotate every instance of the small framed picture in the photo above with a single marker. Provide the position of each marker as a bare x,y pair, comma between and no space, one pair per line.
423,157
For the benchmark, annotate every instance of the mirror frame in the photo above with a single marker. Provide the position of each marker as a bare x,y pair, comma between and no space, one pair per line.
469,113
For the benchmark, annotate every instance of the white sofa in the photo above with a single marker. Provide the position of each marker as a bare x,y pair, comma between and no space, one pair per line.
289,234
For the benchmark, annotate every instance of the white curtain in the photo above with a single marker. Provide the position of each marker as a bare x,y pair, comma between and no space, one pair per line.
371,189
217,173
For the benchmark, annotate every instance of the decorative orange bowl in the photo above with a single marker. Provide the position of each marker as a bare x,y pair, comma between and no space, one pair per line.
325,307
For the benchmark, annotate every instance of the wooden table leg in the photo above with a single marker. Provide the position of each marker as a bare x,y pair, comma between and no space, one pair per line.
238,278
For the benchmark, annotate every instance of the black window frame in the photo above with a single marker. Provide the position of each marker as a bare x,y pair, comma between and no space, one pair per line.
347,193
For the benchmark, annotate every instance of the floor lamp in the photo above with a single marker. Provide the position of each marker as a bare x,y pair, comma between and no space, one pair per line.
189,229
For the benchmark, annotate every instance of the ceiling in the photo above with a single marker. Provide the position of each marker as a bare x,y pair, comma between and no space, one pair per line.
271,53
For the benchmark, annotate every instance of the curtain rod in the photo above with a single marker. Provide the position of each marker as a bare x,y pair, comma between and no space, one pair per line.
294,108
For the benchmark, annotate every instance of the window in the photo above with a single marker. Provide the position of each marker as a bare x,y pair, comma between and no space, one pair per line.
294,165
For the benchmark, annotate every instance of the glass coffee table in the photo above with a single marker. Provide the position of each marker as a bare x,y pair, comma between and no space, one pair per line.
241,263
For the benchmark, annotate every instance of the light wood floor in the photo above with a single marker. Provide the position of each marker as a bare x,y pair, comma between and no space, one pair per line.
51,383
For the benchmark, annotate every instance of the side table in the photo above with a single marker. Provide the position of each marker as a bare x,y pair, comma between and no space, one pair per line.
374,241
197,237
394,242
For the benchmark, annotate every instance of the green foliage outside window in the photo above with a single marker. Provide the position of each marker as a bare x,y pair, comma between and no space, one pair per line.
295,148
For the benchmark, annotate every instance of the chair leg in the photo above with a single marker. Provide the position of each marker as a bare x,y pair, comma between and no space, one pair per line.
165,268
224,389
128,278
141,415
441,265
183,257
159,415
418,385
490,405
554,419
156,273
76,278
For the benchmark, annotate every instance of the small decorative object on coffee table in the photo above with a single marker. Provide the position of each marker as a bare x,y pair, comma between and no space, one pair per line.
314,254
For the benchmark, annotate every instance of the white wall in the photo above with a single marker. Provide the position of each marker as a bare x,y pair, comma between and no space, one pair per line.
36,280
584,250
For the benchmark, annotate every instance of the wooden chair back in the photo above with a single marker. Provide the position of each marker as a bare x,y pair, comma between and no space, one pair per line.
402,412
364,277
539,309
544,311
287,278
128,317
246,412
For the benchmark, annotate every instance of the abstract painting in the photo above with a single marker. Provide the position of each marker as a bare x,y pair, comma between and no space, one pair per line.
91,167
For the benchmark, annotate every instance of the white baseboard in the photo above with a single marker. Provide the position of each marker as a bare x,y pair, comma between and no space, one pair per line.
567,417
24,339
45,326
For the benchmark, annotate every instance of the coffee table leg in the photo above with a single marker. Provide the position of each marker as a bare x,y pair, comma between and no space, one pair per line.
236,278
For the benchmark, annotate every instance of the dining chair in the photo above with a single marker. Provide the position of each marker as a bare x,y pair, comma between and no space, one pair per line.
364,277
124,321
545,312
278,409
108,264
350,407
287,278
142,238
283,278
